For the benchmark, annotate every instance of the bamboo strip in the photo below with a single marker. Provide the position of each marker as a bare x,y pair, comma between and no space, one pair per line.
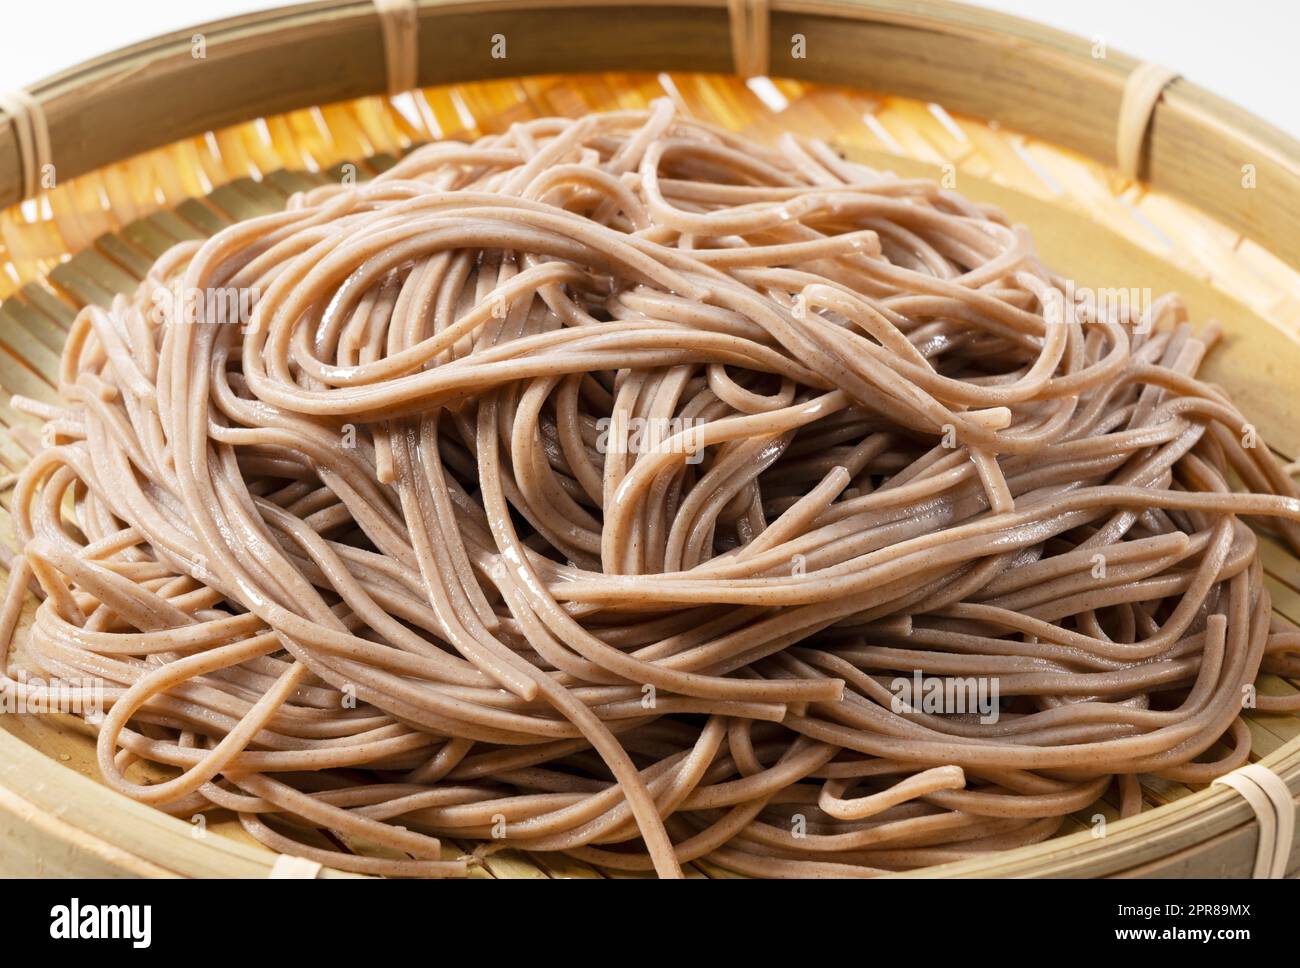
974,61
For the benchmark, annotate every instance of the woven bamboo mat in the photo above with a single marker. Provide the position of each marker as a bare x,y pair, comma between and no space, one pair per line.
96,235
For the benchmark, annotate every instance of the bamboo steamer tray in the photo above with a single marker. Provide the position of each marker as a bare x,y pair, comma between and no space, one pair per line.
154,144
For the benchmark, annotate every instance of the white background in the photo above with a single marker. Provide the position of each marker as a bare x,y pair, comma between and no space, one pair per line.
1244,50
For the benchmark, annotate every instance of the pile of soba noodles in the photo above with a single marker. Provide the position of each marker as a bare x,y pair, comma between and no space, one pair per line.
609,486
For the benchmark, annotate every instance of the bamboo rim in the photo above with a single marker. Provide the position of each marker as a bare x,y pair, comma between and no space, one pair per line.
130,74
1030,77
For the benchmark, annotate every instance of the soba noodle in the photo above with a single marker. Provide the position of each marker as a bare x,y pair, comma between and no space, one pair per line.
599,487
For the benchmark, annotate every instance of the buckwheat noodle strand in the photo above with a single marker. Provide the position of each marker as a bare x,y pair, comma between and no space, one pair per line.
592,487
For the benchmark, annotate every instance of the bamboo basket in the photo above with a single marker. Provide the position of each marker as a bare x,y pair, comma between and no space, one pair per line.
155,144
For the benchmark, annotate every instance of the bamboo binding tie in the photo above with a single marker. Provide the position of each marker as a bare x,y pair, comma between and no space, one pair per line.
1142,91
749,36
399,24
32,136
1270,798
289,867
